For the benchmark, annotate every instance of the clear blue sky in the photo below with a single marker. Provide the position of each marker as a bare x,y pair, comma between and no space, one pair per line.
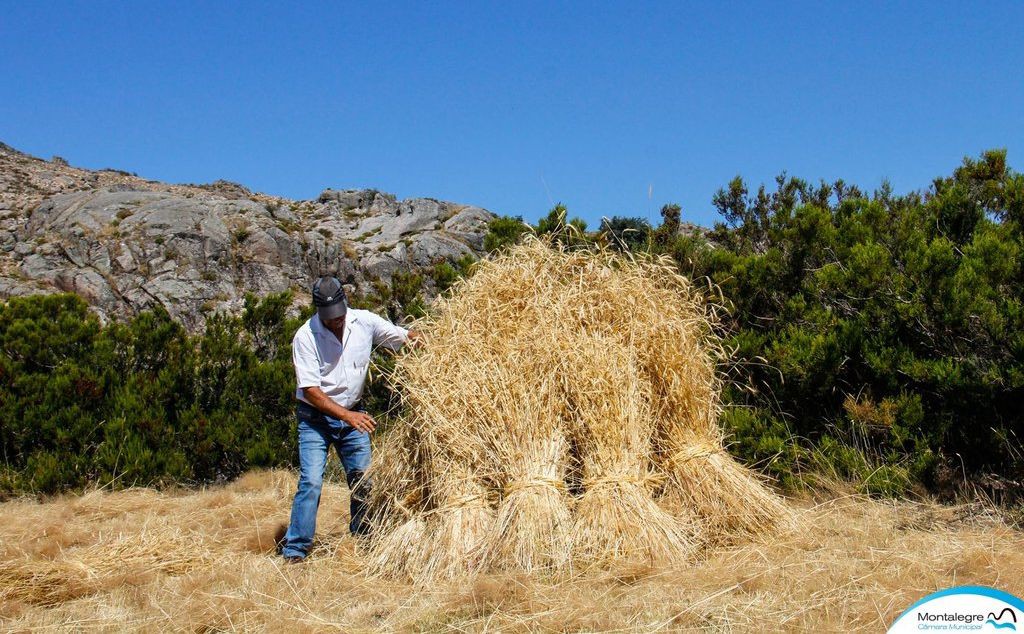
513,105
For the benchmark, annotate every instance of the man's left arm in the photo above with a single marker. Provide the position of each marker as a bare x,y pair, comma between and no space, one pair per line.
391,336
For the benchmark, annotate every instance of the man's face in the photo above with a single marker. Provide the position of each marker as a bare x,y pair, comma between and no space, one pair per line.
338,323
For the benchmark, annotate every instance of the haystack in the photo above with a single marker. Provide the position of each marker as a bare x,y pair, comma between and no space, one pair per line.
562,412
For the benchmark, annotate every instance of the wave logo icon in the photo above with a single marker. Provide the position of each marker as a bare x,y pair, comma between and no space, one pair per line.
997,621
962,609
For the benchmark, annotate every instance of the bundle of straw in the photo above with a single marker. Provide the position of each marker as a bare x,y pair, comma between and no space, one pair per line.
398,500
610,416
563,409
529,451
731,500
437,527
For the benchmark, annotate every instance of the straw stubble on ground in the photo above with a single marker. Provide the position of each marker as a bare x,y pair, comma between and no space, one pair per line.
139,560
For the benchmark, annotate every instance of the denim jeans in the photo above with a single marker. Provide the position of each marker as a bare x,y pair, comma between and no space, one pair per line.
317,432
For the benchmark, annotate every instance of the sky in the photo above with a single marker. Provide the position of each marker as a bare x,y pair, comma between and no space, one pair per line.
610,108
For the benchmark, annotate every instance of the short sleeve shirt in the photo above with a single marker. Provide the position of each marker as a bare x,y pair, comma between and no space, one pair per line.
339,367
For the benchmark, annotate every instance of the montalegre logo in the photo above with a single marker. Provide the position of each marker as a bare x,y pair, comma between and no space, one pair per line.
963,609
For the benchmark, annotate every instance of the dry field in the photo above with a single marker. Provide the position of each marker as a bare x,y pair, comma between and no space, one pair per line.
142,560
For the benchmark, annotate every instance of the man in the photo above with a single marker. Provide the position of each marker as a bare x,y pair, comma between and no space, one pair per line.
331,353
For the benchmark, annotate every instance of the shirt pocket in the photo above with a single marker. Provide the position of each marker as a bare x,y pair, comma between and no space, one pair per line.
359,366
356,377
356,359
357,356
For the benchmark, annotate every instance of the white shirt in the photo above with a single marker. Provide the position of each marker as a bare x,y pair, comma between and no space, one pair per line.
339,367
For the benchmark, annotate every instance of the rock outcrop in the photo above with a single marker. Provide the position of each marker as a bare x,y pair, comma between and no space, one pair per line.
125,243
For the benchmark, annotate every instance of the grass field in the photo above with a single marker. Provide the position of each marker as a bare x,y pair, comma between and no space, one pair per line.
142,560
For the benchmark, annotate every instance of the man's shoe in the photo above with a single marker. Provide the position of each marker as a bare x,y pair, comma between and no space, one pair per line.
294,559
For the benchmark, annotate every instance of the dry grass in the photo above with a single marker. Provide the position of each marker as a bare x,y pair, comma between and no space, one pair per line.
140,560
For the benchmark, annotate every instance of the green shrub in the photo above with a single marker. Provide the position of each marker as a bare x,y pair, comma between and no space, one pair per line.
445,273
141,402
626,234
886,329
504,231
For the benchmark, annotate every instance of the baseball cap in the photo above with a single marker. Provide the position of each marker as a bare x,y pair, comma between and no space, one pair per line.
329,298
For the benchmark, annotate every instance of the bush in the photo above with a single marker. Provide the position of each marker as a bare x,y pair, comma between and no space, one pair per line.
503,231
141,402
887,330
445,274
626,234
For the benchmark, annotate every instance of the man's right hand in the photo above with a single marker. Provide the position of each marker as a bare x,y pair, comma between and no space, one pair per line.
360,421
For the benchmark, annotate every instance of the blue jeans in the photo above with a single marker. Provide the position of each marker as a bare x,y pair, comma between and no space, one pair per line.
317,432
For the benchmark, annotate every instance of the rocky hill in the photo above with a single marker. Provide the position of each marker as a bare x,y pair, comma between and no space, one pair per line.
125,243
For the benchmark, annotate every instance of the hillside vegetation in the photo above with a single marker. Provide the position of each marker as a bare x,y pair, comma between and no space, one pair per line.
877,338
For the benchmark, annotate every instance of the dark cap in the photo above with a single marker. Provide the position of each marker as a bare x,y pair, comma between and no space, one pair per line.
329,298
